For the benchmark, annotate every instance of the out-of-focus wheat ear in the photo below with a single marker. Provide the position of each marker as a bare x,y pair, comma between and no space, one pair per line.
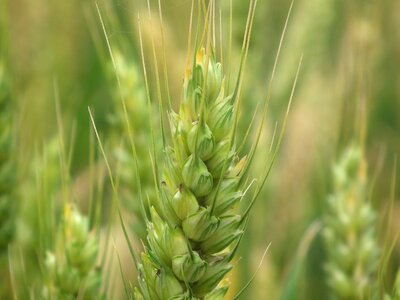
70,266
350,230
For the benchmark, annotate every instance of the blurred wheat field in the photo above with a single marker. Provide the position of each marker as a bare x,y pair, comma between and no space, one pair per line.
77,188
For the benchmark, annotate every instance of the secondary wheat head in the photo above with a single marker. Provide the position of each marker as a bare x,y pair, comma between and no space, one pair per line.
70,270
349,231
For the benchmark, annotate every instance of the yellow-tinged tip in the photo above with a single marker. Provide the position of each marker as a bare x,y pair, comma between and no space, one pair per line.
200,55
188,73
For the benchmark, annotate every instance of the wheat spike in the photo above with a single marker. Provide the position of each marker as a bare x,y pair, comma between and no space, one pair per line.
349,231
194,230
70,269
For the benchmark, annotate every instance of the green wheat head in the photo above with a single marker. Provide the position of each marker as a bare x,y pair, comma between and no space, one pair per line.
194,228
191,235
70,270
349,231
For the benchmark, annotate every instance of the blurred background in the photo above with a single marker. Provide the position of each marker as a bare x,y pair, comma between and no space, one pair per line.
55,54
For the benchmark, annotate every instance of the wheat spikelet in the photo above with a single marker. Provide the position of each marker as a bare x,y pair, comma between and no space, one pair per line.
349,230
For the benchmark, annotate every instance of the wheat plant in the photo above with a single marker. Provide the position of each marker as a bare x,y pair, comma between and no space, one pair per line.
349,232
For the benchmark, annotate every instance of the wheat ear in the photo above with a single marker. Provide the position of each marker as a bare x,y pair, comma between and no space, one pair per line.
70,269
194,229
349,230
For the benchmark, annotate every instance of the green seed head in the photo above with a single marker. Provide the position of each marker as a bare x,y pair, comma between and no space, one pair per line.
196,221
349,230
80,250
71,267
